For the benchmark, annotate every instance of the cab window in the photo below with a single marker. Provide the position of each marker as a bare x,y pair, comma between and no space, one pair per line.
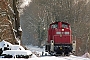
64,26
54,26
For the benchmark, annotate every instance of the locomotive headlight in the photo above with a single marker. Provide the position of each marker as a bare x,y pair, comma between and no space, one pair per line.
67,33
52,43
62,29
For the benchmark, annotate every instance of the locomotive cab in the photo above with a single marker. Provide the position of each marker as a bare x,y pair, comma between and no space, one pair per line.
59,38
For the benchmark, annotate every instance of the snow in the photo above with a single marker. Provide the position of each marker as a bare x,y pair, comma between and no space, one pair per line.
25,3
36,49
52,58
39,51
17,52
71,57
11,9
13,49
86,55
20,29
10,46
17,47
4,44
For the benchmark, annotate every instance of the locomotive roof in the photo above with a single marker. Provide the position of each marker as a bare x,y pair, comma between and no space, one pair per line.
59,21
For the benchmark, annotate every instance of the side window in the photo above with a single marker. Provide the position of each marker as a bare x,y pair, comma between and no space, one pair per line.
64,26
54,26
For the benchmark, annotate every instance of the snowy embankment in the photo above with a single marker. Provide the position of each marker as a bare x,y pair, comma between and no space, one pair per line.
86,56
52,58
36,50
8,50
39,51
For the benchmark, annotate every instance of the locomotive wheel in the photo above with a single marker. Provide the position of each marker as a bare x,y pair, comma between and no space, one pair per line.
52,53
66,54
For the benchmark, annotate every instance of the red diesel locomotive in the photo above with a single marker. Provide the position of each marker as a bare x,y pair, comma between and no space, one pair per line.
59,39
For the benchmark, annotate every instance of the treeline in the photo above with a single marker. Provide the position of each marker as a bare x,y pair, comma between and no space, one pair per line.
40,13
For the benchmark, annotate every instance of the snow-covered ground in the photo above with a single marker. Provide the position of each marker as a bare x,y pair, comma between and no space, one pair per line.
53,58
39,50
35,49
71,57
